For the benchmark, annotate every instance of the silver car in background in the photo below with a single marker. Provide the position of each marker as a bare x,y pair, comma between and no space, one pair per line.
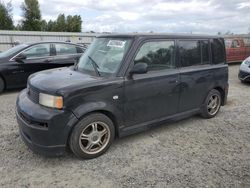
244,72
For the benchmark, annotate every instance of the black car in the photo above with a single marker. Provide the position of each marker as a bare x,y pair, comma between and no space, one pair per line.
122,84
17,63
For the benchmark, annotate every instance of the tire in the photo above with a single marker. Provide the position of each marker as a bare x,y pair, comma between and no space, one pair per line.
212,104
92,136
2,85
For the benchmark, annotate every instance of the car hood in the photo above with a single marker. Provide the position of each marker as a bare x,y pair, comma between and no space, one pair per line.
56,80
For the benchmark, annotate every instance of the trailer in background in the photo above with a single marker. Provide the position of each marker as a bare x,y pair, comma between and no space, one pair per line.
237,48
9,39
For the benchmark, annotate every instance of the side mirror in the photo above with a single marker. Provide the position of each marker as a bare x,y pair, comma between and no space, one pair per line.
20,58
139,68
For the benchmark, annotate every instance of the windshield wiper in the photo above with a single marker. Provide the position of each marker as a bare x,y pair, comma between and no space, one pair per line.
94,64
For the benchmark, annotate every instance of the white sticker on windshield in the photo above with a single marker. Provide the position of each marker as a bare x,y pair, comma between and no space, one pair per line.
116,43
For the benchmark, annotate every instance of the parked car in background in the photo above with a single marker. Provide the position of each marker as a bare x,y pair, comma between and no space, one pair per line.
244,72
17,63
123,84
237,49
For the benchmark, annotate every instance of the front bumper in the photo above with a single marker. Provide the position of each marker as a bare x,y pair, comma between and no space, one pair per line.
244,76
43,130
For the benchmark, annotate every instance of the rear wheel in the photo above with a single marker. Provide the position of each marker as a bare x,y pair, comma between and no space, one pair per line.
1,85
212,104
92,136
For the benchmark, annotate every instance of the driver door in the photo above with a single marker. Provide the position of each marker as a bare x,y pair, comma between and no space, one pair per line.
155,95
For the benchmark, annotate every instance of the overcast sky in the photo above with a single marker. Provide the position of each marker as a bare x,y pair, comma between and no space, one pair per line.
197,16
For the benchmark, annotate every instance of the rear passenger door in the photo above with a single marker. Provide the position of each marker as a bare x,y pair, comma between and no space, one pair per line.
154,95
196,73
65,54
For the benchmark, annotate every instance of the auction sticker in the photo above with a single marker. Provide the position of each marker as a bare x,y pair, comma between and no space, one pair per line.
116,43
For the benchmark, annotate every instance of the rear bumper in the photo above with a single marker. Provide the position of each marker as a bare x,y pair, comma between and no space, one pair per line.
244,76
43,130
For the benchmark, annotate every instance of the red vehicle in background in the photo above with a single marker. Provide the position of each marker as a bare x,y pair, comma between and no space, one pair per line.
237,48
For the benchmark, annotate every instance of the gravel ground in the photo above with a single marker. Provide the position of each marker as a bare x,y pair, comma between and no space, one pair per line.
190,153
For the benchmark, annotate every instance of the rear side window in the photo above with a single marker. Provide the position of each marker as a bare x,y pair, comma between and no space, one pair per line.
205,51
64,49
159,55
246,41
190,53
194,52
218,51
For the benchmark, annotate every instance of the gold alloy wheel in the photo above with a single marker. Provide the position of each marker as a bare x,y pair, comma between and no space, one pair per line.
213,104
94,137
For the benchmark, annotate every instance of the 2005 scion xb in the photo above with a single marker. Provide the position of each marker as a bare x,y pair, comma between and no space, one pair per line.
122,84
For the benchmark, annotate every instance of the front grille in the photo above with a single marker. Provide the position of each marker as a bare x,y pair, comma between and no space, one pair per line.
33,94
243,75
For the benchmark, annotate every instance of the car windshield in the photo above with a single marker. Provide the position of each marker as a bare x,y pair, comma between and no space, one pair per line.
104,56
13,50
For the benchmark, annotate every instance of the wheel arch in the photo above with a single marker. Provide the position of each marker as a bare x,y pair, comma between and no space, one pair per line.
222,92
111,116
105,112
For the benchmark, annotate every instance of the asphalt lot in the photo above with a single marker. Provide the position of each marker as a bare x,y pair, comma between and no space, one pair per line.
194,152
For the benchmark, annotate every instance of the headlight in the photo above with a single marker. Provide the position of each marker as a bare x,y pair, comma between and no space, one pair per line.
51,101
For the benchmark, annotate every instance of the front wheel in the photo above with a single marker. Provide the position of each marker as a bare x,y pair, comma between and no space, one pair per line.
92,136
212,104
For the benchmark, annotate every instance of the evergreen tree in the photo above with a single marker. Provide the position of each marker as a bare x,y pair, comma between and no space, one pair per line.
74,23
44,25
61,23
50,25
32,16
6,22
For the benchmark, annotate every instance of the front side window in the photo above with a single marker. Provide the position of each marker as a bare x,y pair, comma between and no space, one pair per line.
235,44
40,50
104,56
65,49
158,55
190,53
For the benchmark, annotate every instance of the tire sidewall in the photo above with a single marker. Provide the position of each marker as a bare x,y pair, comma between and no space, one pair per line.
78,128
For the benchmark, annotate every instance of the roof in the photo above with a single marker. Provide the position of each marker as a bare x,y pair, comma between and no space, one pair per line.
42,33
41,42
158,35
